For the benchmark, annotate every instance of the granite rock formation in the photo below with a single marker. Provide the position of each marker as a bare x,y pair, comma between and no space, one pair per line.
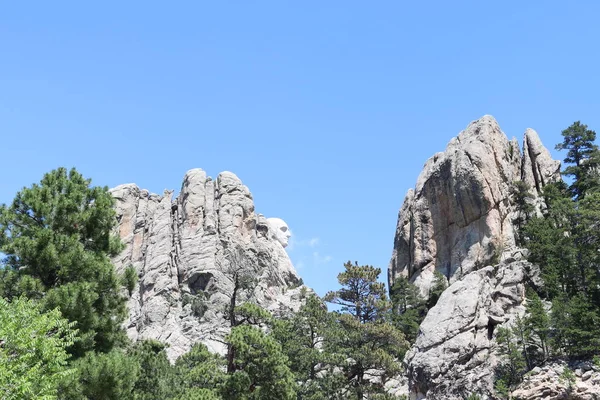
459,214
549,383
188,251
454,355
459,221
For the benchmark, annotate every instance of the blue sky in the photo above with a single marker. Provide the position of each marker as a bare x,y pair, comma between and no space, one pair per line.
326,110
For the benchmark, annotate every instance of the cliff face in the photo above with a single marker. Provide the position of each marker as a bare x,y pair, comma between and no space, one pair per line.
459,214
189,252
459,221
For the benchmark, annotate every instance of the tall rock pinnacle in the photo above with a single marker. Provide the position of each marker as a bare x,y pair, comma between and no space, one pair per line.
459,213
458,220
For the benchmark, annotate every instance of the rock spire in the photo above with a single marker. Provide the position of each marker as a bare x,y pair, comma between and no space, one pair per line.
458,220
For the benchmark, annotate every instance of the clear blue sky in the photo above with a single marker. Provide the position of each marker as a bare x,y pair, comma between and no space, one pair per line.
326,110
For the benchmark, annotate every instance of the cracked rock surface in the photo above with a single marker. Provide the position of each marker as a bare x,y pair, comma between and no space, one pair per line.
458,220
184,250
459,215
548,383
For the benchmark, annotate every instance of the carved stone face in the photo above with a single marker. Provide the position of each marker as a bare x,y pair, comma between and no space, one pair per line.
279,230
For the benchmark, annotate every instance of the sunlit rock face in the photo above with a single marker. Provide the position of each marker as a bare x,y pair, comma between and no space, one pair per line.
184,250
544,383
279,231
458,220
459,215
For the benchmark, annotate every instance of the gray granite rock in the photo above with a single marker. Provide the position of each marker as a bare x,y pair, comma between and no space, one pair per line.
458,220
459,216
184,251
548,385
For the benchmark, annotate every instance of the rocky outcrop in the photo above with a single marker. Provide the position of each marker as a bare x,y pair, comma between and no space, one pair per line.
550,383
454,355
189,253
458,220
459,215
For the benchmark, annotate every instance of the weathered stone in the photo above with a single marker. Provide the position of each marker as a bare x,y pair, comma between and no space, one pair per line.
459,216
538,167
184,250
548,385
454,353
458,220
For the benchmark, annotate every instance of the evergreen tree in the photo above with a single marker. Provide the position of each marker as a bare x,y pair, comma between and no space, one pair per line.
576,325
369,345
200,374
538,328
551,245
521,198
102,376
584,157
242,274
33,357
301,337
156,377
261,369
512,367
57,239
408,307
439,284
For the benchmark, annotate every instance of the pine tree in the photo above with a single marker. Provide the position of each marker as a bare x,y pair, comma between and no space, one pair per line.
156,377
261,369
199,374
302,338
408,307
584,157
552,247
538,326
369,345
512,366
242,274
57,239
521,198
439,284
102,376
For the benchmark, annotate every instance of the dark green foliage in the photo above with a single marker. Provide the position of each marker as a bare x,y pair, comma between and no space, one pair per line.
584,158
537,330
408,307
576,326
102,376
57,239
260,368
440,283
363,337
302,338
564,244
199,306
522,200
129,279
551,246
156,376
199,394
200,374
513,366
